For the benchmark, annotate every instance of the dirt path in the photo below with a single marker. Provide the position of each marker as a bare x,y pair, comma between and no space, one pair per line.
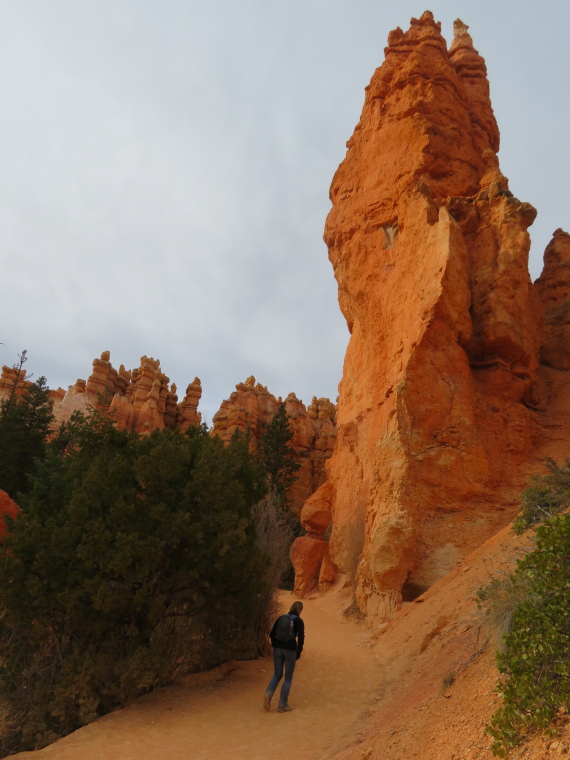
219,715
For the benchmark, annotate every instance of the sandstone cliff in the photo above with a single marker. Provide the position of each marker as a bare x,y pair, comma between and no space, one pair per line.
251,407
444,409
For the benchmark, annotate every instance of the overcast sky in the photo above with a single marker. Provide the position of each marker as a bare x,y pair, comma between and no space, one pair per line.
165,168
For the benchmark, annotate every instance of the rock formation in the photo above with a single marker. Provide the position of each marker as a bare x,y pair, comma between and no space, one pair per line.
554,289
310,555
442,400
251,407
187,414
140,399
10,378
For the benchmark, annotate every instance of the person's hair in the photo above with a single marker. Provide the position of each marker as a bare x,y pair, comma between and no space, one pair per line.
296,608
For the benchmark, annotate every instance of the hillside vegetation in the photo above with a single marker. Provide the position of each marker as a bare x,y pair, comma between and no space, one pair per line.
135,560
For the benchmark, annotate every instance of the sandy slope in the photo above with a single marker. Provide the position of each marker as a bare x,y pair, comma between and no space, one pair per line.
220,715
440,634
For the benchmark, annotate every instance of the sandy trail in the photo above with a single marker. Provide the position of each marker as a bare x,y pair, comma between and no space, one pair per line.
217,716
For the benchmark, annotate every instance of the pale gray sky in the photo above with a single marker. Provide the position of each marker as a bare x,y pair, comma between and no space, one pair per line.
166,163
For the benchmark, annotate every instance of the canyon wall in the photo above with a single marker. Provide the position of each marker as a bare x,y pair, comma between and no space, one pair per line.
444,406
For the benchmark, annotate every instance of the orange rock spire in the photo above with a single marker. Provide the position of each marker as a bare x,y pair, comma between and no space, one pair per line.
437,420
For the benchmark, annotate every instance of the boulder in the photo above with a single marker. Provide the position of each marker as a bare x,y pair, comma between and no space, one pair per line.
316,514
307,554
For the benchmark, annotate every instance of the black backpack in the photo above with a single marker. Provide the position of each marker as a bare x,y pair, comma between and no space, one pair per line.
284,631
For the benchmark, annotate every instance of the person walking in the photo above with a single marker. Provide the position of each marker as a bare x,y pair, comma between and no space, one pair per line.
287,639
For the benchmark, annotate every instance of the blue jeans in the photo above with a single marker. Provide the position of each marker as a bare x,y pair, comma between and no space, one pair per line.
287,658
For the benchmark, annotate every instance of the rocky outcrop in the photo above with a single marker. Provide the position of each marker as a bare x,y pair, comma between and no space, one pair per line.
187,414
316,514
438,421
139,400
12,380
553,287
251,407
148,402
309,554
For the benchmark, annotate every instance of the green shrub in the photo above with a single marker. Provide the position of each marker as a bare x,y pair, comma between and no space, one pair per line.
275,534
134,560
277,456
548,495
499,601
536,657
24,428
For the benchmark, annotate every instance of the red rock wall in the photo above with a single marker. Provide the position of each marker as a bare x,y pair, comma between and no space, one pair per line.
252,407
440,414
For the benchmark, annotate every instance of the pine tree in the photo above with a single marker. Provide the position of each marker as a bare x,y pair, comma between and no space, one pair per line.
277,455
135,560
24,428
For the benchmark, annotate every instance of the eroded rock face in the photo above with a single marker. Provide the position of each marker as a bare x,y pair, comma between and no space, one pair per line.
310,554
437,420
307,556
251,407
187,414
554,289
316,514
140,400
12,380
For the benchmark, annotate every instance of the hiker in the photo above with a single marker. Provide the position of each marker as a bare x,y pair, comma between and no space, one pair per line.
287,639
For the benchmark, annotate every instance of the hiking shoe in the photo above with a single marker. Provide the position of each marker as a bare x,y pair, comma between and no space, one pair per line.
284,708
266,702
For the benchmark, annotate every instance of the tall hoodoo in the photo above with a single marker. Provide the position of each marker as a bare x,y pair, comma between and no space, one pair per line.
437,409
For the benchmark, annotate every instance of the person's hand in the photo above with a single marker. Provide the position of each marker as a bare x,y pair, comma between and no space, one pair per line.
298,655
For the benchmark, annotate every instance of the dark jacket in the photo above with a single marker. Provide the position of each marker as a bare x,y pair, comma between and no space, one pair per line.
296,644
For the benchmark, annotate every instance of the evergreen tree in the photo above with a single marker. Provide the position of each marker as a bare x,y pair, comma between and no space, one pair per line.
24,428
536,660
277,456
135,560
